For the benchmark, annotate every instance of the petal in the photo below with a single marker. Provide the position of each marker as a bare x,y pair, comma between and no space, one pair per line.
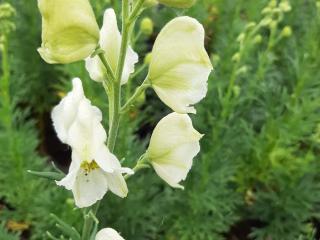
69,180
180,65
65,112
131,59
110,42
106,160
174,167
69,30
89,187
87,134
187,83
173,145
95,68
117,184
172,131
108,234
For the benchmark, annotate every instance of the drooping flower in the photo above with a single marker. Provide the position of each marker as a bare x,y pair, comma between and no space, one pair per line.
180,65
93,170
173,144
178,3
108,234
69,30
110,42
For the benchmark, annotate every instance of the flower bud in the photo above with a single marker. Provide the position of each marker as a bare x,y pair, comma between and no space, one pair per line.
69,30
285,6
250,25
178,3
241,37
257,39
146,26
286,31
173,145
273,3
236,57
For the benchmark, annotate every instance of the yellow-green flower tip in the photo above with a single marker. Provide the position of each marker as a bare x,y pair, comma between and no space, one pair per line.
69,30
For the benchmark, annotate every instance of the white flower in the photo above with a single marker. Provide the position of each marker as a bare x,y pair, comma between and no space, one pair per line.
108,234
93,170
69,30
173,145
180,65
110,42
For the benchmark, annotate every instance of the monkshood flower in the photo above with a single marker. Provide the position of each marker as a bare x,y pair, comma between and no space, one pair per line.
173,144
110,43
93,170
69,30
178,3
108,234
180,65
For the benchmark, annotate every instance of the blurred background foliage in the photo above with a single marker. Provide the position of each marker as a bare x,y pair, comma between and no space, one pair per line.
257,176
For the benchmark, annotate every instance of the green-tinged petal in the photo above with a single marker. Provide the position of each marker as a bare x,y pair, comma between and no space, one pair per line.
69,30
173,145
180,65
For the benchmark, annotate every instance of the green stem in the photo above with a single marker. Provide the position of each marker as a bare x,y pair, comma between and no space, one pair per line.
107,66
136,10
114,125
139,90
142,163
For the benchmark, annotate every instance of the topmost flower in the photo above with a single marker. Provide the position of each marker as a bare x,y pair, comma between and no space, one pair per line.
69,30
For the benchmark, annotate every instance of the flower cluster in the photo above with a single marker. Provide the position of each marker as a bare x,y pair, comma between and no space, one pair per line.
178,73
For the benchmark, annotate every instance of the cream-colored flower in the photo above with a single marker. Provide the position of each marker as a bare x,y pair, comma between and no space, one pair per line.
69,30
173,145
108,234
110,42
178,3
93,170
180,65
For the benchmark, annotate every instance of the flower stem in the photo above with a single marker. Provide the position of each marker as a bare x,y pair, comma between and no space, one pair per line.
115,119
107,66
139,90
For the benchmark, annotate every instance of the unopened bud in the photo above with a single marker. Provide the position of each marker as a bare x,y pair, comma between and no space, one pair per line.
146,26
241,37
242,70
257,39
273,3
266,10
236,57
250,25
266,21
285,6
286,31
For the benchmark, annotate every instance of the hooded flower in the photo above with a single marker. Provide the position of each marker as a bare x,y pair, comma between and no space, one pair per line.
173,145
180,65
69,30
108,234
110,42
93,170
